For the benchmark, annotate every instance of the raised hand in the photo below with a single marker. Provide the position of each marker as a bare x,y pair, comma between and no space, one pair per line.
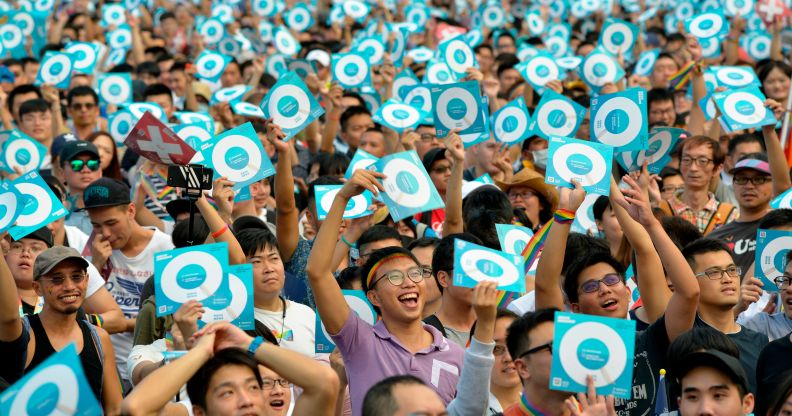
635,201
454,146
571,199
360,181
694,48
590,403
275,135
225,336
223,195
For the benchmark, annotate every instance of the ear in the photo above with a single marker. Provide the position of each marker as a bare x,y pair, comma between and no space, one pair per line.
37,288
443,278
748,404
132,210
197,410
373,298
599,225
522,370
575,307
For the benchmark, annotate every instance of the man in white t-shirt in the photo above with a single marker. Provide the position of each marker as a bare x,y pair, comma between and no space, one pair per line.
123,251
292,323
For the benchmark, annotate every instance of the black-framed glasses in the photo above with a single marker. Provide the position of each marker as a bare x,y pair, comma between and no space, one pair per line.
78,164
82,106
534,350
717,273
783,281
396,277
269,383
700,161
59,280
756,180
428,137
592,286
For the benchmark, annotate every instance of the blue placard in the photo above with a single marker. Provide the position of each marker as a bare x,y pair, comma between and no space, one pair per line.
138,109
371,46
21,152
513,238
210,65
246,109
190,273
618,36
299,18
195,135
243,195
585,162
357,207
599,68
404,79
556,115
540,69
398,116
458,106
408,188
191,117
620,120
56,386
511,123
238,155
285,42
301,67
645,63
771,249
11,203
113,15
121,37
115,88
230,95
361,160
85,54
291,105
757,45
371,97
238,307
474,263
55,69
359,304
351,70
735,76
458,55
212,30
662,141
587,345
437,73
743,108
41,207
782,201
420,97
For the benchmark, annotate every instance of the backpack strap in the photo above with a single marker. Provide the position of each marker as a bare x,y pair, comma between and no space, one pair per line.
722,214
434,321
98,344
665,206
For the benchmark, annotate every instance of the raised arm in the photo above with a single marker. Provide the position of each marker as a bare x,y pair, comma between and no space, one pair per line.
10,322
548,271
775,153
223,195
697,118
330,302
286,222
332,117
681,310
453,201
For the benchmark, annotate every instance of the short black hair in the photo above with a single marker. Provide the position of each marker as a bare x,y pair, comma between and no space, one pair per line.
581,243
181,232
198,385
669,171
256,239
348,276
776,218
482,209
335,163
157,89
352,94
178,66
443,254
701,338
742,139
518,335
659,94
423,242
19,90
148,67
377,233
599,206
379,400
352,112
703,246
681,231
81,91
507,62
585,260
37,105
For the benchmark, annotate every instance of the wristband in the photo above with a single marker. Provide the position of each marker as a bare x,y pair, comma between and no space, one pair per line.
345,241
254,345
563,216
220,232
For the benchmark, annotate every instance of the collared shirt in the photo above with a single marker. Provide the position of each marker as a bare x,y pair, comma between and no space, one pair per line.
699,218
372,354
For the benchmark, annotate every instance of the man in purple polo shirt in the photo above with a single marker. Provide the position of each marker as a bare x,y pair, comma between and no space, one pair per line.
394,283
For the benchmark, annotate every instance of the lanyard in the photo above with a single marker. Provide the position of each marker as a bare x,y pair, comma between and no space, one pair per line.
39,306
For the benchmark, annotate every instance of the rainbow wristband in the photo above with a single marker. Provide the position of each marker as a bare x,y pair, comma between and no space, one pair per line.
563,216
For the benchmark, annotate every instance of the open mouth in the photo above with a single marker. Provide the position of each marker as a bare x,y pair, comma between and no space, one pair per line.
409,299
69,298
610,305
277,404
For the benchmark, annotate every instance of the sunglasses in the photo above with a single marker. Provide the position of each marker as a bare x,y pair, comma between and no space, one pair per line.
77,165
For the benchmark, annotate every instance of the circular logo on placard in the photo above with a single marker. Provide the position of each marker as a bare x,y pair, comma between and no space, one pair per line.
759,47
115,89
236,157
22,154
236,305
12,36
25,22
645,64
541,70
570,62
493,17
231,93
351,70
285,42
706,25
212,31
744,108
582,354
355,9
120,124
557,118
510,125
617,122
773,256
456,108
210,65
53,390
617,38
406,184
289,106
374,48
420,97
460,56
8,207
191,276
84,55
481,265
138,109
247,109
599,69
515,240
38,207
56,69
400,115
575,161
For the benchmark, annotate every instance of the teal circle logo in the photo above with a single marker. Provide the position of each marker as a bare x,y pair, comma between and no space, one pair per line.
31,205
617,121
288,106
489,267
617,38
350,70
401,114
3,210
600,69
442,76
210,65
191,276
510,124
745,108
457,108
556,118
237,158
81,55
123,127
298,18
417,101
593,354
56,68
406,182
115,89
23,156
706,24
543,71
734,75
579,164
44,400
459,56
519,246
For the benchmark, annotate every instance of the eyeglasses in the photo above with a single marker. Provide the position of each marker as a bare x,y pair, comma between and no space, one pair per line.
77,165
428,137
783,281
523,195
269,384
441,169
592,286
699,161
548,347
756,180
673,189
82,106
18,247
396,277
59,280
717,274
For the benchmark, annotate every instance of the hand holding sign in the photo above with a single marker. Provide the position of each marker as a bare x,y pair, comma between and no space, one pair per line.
362,180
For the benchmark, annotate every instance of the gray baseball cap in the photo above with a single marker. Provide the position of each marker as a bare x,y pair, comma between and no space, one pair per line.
51,257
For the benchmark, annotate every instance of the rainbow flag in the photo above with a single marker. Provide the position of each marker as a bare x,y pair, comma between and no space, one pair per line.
534,247
681,79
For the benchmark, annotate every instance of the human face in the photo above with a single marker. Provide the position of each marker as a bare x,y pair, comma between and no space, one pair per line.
178,83
231,76
165,101
37,125
720,293
78,181
506,45
19,99
696,175
260,192
776,85
752,196
424,256
428,140
355,126
19,75
504,373
527,199
483,154
707,391
373,142
786,408
662,112
664,68
534,369
786,294
672,185
417,400
105,145
367,249
440,173
610,301
233,390
610,226
63,288
741,150
83,110
113,224
507,79
276,397
20,258
268,272
485,59
403,303
31,69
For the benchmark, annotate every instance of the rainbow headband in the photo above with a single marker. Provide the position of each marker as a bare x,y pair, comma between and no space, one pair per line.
379,263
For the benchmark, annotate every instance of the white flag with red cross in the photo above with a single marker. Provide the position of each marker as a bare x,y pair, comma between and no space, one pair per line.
153,140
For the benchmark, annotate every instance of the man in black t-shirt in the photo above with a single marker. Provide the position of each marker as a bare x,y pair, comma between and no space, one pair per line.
773,368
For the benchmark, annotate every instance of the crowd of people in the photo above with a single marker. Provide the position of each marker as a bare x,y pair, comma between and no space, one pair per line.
671,247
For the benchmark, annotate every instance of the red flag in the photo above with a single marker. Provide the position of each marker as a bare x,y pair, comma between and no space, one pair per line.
153,140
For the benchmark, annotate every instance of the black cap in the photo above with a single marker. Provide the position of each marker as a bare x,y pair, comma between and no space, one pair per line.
59,141
179,206
73,148
432,156
106,192
44,234
725,363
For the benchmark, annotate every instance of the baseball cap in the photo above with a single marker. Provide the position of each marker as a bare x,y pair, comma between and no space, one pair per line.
720,361
59,141
179,206
752,161
51,257
73,148
43,234
319,55
106,192
432,156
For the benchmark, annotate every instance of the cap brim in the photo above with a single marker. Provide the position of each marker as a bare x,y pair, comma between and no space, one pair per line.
79,259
